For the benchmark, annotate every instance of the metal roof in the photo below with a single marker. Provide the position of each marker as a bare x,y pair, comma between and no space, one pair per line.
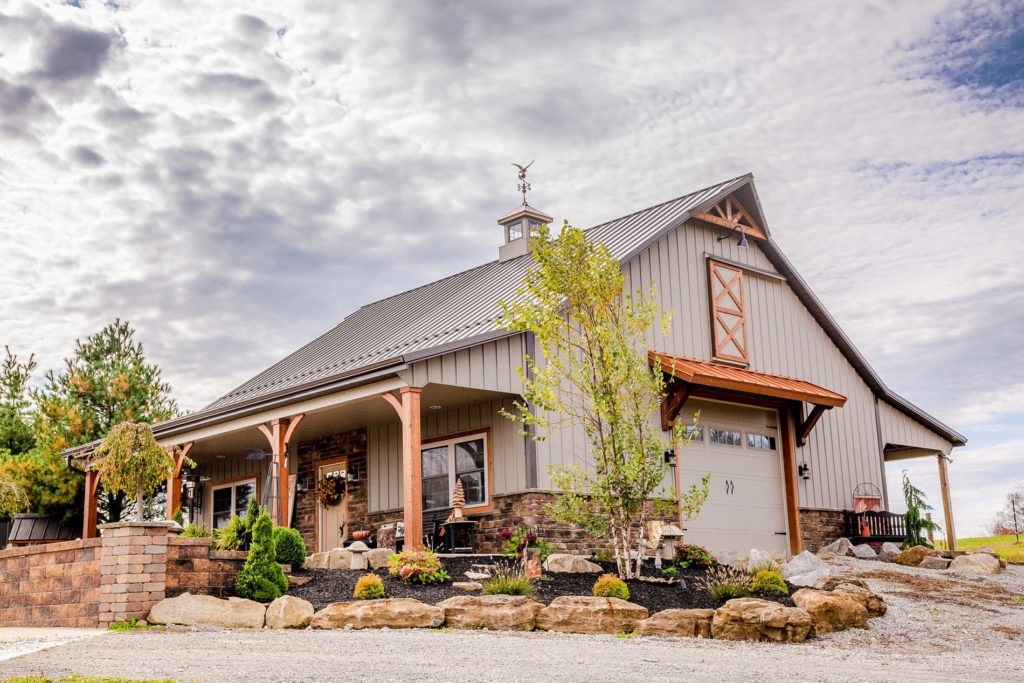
462,310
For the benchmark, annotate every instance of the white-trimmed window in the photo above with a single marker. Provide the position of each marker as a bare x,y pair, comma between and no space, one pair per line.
762,442
231,499
465,458
725,437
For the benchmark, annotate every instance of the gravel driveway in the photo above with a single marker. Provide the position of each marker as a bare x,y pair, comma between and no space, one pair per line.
946,627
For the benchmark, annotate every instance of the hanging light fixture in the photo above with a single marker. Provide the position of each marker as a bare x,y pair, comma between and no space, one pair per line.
742,243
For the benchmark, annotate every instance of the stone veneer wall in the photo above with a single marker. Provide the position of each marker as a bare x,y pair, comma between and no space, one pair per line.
819,527
122,574
56,584
351,445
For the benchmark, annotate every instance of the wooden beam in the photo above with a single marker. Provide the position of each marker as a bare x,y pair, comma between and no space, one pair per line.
408,410
89,522
279,434
174,481
673,402
947,505
808,424
789,474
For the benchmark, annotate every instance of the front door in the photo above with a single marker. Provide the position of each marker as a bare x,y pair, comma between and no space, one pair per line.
333,518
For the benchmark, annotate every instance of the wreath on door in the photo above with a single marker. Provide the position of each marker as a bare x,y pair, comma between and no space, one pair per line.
331,489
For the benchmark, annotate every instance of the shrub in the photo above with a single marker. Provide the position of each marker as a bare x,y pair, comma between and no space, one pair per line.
261,578
194,530
611,586
725,583
291,549
508,581
769,583
690,556
518,539
769,566
369,587
417,566
237,535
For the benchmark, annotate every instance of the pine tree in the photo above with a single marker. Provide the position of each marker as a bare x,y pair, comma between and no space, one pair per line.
262,578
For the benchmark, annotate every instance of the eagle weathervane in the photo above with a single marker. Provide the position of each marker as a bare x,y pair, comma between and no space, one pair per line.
523,186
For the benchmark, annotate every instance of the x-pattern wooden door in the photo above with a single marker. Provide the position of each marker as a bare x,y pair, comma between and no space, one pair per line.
729,320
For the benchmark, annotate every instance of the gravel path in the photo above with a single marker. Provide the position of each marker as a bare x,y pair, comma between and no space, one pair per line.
940,626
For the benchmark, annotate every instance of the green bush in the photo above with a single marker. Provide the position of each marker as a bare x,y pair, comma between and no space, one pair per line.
725,583
769,566
769,583
691,556
194,530
417,566
369,587
291,549
611,586
508,581
237,535
261,578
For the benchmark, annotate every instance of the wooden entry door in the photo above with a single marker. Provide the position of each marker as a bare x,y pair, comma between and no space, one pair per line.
332,518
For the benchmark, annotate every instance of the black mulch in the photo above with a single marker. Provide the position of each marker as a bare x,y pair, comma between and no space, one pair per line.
327,585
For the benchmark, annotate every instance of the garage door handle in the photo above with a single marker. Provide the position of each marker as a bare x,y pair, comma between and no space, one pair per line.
780,533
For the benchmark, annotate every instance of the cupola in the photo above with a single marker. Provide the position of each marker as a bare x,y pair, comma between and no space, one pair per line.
520,224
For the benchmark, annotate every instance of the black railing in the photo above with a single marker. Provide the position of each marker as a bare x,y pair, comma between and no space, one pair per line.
874,526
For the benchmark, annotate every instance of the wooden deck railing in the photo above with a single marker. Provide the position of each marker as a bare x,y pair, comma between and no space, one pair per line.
874,526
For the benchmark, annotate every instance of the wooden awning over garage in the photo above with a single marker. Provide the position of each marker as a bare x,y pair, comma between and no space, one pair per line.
693,373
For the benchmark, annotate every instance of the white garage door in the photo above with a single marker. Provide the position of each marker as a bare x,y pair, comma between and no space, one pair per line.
746,505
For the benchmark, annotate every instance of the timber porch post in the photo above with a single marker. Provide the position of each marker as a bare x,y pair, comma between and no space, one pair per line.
279,434
174,481
947,504
408,410
89,522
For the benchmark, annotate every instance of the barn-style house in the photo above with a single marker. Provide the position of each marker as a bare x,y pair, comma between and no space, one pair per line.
374,422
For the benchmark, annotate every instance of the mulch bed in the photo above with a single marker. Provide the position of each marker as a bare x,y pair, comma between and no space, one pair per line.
329,585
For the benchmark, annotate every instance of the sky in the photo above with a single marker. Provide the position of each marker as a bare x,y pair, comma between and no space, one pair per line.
234,178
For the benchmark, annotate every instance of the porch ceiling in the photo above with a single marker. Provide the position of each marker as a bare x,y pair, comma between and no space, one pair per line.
897,452
334,419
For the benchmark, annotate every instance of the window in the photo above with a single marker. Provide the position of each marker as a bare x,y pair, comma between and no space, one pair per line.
465,459
515,231
728,312
695,433
725,437
760,441
231,499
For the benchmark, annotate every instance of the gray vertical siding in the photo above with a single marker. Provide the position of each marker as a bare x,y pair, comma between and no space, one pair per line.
384,446
900,430
491,366
231,467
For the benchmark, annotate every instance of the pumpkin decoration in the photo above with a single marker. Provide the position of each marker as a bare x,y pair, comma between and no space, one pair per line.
330,490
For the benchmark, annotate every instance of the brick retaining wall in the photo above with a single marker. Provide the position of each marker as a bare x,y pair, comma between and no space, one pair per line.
819,527
122,574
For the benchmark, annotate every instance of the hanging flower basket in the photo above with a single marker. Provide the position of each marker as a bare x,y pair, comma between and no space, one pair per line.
331,489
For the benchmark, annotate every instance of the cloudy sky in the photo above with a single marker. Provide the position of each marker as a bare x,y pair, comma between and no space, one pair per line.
234,178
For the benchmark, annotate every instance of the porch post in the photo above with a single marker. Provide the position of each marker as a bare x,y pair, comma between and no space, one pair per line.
174,481
408,410
279,434
947,506
92,483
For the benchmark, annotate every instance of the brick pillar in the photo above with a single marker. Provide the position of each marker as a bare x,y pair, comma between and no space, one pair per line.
133,569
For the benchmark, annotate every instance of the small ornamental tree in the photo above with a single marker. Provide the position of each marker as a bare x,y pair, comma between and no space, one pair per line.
594,373
131,461
261,577
917,524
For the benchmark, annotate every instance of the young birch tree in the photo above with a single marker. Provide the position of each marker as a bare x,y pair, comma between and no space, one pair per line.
592,337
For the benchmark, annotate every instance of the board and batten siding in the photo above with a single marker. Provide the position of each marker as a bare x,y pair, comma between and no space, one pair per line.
231,468
491,366
384,449
900,430
783,338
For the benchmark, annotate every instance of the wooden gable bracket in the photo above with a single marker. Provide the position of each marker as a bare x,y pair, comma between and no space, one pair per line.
673,402
729,213
804,430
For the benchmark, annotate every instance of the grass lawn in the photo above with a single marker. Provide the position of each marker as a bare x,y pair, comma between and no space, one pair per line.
1004,546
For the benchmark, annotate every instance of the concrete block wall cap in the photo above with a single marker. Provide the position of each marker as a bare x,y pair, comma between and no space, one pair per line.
157,524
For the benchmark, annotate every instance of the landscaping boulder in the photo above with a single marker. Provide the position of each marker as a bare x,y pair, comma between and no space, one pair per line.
378,557
389,613
989,551
289,611
318,561
976,563
841,547
805,569
339,558
911,557
586,614
756,619
468,586
864,597
563,563
189,610
759,558
690,623
830,611
884,555
864,552
934,563
891,548
495,612
830,582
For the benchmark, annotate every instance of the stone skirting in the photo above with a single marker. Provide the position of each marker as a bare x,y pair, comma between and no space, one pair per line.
94,582
819,527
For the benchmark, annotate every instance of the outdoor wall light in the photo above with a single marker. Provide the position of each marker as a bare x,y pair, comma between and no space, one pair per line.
804,470
302,485
670,457
742,243
353,474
